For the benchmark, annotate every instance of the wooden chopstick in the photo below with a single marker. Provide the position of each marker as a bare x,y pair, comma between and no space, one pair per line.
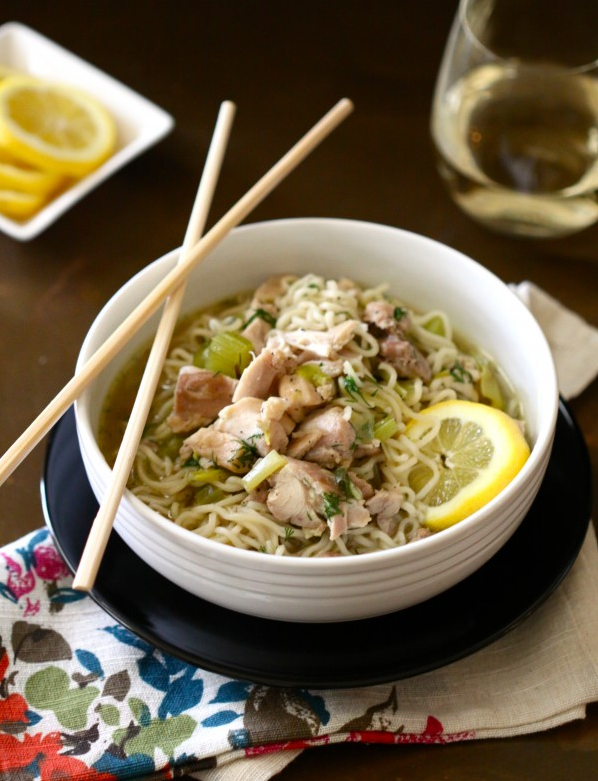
255,195
103,522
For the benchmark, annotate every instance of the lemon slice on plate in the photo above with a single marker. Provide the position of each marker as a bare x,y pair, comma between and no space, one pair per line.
54,127
476,449
20,205
15,176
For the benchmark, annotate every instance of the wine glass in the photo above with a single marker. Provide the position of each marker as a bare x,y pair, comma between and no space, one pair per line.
515,114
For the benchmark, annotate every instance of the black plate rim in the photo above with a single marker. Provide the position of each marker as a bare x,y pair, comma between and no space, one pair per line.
276,677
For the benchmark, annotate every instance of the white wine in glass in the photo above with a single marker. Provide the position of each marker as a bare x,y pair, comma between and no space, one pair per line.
515,114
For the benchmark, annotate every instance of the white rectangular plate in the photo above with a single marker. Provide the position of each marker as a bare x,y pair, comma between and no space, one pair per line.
140,123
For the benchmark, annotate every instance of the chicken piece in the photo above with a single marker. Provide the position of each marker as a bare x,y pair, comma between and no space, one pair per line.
275,408
405,358
271,289
256,422
348,285
300,394
330,437
198,398
259,326
367,449
362,485
263,310
323,344
219,447
420,534
303,442
385,503
259,377
304,494
299,494
353,515
384,506
357,514
386,318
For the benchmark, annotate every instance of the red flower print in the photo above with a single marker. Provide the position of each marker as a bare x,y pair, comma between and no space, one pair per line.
12,711
44,749
18,582
48,563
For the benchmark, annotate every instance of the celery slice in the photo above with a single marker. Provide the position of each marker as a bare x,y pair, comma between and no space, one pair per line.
312,373
490,388
208,494
435,325
265,467
203,476
226,353
385,428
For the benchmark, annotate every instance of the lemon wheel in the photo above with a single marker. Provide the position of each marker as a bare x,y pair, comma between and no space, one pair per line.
54,127
473,451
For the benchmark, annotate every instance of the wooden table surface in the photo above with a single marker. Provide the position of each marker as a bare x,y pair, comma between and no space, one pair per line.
283,65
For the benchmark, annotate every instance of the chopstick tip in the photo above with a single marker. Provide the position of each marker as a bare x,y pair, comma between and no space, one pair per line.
79,585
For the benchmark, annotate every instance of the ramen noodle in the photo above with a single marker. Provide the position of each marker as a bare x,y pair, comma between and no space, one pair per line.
278,425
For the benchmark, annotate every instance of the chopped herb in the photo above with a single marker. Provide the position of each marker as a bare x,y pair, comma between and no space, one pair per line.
247,453
351,385
460,373
353,389
399,313
267,317
288,532
349,489
314,285
364,432
192,462
331,505
341,478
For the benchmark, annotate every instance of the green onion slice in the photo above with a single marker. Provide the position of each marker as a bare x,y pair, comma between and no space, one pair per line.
385,428
226,353
204,476
435,325
312,373
270,463
208,494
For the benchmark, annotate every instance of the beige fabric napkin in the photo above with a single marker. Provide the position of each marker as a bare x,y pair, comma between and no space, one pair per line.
540,675
575,368
544,672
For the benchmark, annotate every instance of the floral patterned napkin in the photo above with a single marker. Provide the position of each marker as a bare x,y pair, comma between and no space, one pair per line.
83,698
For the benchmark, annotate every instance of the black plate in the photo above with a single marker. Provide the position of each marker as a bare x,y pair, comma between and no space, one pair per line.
460,621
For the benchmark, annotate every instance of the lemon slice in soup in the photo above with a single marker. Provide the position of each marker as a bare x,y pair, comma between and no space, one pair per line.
473,452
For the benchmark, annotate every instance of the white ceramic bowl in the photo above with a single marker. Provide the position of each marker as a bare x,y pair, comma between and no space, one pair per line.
425,274
140,123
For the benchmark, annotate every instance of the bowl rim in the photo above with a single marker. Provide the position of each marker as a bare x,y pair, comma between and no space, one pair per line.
453,535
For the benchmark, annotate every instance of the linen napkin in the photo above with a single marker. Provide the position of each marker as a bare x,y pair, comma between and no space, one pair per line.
562,328
83,698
